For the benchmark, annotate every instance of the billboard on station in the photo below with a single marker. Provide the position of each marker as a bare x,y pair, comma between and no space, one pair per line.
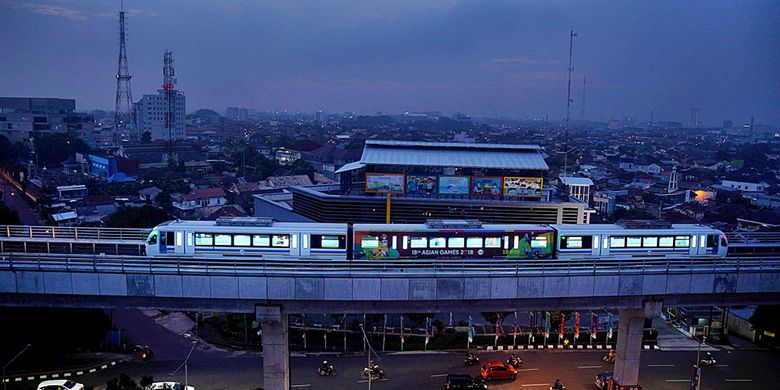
421,184
522,187
385,183
454,185
486,185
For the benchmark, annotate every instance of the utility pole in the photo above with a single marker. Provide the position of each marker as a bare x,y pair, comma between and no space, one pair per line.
5,380
569,100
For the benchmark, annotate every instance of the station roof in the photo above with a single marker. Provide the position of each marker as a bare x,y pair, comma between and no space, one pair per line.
576,181
451,154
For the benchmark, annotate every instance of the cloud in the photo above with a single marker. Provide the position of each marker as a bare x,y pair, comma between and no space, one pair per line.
52,10
524,61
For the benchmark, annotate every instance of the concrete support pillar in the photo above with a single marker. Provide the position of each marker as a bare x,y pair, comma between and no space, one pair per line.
629,342
276,353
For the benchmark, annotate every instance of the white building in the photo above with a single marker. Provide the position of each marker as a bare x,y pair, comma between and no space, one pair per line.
237,114
202,198
578,187
745,186
150,114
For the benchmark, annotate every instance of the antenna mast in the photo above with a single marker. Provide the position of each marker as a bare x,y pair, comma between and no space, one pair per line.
124,123
582,113
169,83
569,100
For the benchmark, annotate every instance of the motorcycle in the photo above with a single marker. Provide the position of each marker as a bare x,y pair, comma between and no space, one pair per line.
144,352
708,362
514,361
373,373
609,359
471,359
326,370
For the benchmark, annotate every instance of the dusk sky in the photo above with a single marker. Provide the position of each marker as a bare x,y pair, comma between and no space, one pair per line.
483,58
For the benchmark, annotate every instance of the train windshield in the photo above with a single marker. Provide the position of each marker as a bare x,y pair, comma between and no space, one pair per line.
152,240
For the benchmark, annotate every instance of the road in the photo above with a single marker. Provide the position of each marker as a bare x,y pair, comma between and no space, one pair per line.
214,369
14,200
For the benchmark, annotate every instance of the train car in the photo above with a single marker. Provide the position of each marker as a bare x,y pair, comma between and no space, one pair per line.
248,236
639,238
451,239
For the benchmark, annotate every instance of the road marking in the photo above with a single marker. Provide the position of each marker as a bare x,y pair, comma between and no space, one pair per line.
535,384
678,380
722,365
373,380
438,375
303,385
528,369
584,367
739,380
660,365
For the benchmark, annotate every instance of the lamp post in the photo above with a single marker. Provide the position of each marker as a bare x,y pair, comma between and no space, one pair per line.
5,380
184,364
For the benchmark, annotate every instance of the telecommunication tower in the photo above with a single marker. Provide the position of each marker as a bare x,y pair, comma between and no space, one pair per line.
169,84
569,100
124,122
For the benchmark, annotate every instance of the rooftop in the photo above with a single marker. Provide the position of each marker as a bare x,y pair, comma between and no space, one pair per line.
467,155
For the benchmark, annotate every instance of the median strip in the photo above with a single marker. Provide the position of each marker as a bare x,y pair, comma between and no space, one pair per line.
438,375
660,365
678,380
302,385
739,380
535,385
584,367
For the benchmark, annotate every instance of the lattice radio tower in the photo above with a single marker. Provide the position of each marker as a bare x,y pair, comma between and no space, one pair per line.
569,100
124,121
169,84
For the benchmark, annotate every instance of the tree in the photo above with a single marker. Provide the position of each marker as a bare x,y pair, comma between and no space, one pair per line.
302,167
493,317
8,216
8,153
52,149
164,201
138,217
123,382
621,213
766,318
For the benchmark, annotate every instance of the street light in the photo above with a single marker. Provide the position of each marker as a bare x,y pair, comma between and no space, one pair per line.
5,380
184,364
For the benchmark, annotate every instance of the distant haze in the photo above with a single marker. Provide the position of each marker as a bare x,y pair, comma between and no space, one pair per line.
483,58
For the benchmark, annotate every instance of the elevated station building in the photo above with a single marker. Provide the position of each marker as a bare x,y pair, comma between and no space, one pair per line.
417,181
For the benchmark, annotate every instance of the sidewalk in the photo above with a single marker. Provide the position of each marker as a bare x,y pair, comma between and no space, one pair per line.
671,338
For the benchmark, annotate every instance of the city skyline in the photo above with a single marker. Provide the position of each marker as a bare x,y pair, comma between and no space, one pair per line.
485,59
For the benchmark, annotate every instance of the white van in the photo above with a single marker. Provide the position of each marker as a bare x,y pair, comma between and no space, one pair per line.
60,384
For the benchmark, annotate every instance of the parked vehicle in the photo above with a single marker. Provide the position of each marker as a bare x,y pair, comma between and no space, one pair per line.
602,379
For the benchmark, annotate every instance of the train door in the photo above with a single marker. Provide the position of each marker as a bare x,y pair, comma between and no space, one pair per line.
693,244
166,241
702,251
596,245
604,251
179,243
305,244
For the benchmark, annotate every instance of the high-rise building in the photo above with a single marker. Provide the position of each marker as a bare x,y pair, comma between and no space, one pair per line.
150,114
237,114
25,118
694,120
162,115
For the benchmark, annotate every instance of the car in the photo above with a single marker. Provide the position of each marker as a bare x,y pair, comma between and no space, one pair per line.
60,384
168,386
602,380
463,381
497,370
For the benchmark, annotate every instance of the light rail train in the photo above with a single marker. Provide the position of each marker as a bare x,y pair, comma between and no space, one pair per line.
436,239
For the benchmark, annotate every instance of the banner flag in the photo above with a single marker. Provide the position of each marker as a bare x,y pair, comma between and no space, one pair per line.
547,324
470,331
576,324
563,324
609,326
594,325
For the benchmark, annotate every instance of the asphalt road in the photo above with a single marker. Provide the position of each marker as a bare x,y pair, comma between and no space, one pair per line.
214,369
13,199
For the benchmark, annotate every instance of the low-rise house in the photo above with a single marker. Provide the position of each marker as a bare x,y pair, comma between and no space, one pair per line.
198,198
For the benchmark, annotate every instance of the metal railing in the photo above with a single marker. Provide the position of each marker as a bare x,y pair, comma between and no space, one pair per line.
62,233
390,269
753,238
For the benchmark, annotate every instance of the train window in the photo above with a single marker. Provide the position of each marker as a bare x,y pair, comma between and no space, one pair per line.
280,240
406,242
438,242
633,242
539,242
650,242
329,242
222,239
242,240
369,242
711,239
153,238
517,243
666,242
506,242
682,241
456,242
617,242
723,241
204,239
169,237
419,242
571,242
492,242
261,240
474,242
179,238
